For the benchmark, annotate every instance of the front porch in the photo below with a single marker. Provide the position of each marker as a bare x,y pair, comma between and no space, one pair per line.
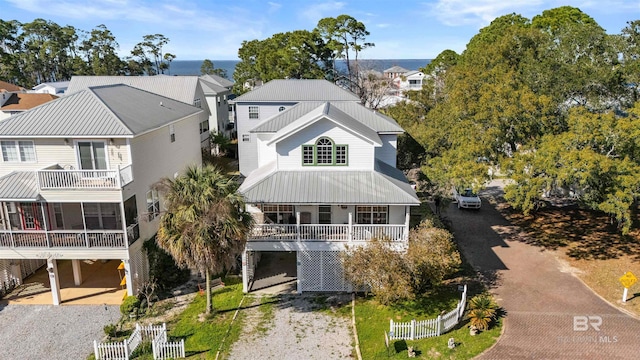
40,225
337,223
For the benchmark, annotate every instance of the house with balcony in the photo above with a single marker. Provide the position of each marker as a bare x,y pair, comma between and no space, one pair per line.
187,89
76,178
217,92
320,176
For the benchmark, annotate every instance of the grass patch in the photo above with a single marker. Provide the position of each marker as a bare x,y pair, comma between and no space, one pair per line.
372,320
204,338
266,313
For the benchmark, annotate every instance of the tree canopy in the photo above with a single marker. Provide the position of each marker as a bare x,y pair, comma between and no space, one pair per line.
544,100
43,51
205,224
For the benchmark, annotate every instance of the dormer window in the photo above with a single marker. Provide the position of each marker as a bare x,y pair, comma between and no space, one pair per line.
324,152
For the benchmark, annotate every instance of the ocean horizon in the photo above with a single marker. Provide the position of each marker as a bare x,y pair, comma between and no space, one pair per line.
192,67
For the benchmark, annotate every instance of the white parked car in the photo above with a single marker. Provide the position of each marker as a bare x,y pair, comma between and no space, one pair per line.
467,199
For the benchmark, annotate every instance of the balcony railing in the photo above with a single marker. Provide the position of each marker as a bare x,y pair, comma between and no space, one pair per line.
331,233
78,179
63,239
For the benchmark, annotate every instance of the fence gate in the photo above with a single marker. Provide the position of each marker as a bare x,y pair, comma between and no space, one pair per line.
321,271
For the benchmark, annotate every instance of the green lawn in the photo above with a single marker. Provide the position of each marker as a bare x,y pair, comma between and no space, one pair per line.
372,320
204,338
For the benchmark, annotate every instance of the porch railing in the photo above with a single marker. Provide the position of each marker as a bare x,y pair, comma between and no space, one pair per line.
63,239
84,179
330,232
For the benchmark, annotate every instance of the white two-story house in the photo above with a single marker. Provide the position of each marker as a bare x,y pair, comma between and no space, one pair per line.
187,89
217,92
76,178
320,176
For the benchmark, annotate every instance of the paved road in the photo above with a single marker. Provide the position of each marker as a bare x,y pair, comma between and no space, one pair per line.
540,295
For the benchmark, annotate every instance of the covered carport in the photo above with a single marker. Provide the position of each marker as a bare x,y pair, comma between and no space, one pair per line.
274,271
99,283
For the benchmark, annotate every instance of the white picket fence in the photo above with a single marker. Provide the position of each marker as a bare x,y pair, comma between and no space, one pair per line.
414,329
123,350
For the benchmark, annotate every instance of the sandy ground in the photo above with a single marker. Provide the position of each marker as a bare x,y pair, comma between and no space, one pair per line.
296,329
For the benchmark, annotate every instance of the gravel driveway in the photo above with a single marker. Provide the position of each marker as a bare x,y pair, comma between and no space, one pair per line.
52,332
295,330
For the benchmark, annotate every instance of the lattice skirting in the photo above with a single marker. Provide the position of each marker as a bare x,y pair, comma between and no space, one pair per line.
321,271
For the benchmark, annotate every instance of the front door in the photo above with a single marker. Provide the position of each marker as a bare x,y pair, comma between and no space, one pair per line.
30,218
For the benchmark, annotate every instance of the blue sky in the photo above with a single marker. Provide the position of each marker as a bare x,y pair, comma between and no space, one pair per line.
215,29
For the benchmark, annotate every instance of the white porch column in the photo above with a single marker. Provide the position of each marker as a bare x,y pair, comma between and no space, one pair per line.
129,276
298,273
350,226
407,216
245,271
77,272
54,280
298,224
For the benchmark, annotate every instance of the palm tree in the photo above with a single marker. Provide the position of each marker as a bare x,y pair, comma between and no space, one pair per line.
205,224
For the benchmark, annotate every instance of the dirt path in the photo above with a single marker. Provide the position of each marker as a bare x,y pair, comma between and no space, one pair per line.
293,327
550,313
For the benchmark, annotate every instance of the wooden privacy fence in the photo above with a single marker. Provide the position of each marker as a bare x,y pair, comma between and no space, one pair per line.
162,349
414,329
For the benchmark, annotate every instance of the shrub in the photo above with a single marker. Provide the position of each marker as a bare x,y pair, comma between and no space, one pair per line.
380,268
482,311
129,305
393,275
110,330
432,255
163,268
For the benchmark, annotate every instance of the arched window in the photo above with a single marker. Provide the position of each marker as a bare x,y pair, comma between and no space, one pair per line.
324,151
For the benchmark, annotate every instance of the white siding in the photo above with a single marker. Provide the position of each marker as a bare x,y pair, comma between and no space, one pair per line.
266,153
360,151
397,214
248,150
55,151
154,157
387,153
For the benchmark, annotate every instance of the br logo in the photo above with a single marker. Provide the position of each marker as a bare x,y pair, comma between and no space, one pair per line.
582,323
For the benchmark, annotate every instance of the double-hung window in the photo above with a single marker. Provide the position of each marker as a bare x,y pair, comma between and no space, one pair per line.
372,214
153,204
254,112
18,151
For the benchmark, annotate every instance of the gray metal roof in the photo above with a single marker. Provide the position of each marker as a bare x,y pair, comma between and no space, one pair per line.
181,88
211,88
19,185
371,119
396,69
327,111
114,111
297,90
383,186
219,80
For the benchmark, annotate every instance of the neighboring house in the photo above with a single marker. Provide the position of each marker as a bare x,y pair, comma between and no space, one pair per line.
394,72
53,88
217,92
411,80
320,175
76,178
16,103
186,89
9,87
